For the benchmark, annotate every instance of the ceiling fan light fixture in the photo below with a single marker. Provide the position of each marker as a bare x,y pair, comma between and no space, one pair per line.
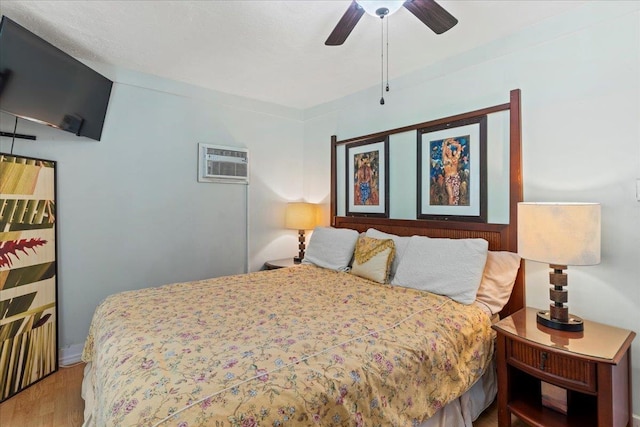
371,6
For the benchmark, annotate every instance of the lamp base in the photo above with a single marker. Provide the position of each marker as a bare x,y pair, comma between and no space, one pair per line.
573,324
301,248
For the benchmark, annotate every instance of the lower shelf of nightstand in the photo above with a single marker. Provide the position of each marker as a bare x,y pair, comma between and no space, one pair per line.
526,404
537,415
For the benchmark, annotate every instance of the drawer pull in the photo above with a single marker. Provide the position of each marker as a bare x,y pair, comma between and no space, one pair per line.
543,360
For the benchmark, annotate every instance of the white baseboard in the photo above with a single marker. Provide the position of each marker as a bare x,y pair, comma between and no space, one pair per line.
70,354
636,420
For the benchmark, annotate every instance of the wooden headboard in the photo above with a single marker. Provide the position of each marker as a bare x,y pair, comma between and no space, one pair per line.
500,236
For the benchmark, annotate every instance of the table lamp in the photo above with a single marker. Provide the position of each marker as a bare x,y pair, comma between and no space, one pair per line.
559,234
301,216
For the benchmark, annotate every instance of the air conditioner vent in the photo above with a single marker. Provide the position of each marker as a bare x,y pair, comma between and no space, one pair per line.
218,163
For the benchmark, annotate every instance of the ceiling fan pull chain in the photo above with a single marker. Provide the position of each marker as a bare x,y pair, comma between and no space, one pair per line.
381,60
387,54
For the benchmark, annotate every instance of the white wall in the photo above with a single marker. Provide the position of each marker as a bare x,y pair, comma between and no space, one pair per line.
131,213
580,81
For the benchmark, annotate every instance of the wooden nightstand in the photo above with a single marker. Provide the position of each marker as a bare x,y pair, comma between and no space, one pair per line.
279,263
594,366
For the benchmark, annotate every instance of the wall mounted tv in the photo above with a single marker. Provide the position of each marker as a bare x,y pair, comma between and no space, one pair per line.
40,82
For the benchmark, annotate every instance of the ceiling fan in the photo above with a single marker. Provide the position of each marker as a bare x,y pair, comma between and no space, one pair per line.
429,12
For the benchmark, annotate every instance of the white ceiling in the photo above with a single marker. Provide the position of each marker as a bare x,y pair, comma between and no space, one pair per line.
267,50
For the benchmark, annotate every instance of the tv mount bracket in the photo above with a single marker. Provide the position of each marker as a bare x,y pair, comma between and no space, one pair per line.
18,135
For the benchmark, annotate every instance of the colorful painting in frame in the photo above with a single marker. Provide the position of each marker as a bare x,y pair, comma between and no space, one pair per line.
452,176
28,279
367,178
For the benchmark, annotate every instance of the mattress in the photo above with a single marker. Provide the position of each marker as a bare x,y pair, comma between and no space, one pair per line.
297,346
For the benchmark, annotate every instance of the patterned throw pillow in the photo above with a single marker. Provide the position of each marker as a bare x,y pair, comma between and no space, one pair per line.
401,243
372,258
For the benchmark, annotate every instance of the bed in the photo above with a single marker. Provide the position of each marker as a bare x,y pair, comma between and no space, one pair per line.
314,344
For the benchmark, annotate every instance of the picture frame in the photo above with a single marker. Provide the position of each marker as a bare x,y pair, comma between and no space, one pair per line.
452,171
367,180
28,263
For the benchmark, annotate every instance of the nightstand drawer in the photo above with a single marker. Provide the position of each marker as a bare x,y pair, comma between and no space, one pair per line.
569,372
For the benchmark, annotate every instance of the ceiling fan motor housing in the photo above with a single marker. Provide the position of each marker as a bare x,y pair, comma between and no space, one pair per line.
382,12
429,12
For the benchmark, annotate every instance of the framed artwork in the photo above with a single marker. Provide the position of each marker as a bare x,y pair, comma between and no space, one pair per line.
28,272
452,175
368,178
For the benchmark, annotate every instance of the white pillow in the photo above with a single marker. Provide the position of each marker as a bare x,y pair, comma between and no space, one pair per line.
498,278
400,242
331,248
450,267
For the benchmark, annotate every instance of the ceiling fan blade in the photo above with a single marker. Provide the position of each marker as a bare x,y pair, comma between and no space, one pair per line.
345,25
431,14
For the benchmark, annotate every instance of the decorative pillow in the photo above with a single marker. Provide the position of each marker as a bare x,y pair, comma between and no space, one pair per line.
400,242
450,267
498,278
372,258
331,248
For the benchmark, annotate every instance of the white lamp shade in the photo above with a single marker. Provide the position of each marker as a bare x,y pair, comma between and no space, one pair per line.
559,233
370,6
301,216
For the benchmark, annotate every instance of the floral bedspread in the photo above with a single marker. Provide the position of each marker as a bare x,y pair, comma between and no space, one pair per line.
299,346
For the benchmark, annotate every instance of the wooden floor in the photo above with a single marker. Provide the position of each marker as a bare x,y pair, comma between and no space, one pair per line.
55,401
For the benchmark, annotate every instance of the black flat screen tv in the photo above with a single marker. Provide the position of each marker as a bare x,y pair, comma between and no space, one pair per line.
40,82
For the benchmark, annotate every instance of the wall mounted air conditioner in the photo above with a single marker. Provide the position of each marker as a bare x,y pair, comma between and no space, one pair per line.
217,163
